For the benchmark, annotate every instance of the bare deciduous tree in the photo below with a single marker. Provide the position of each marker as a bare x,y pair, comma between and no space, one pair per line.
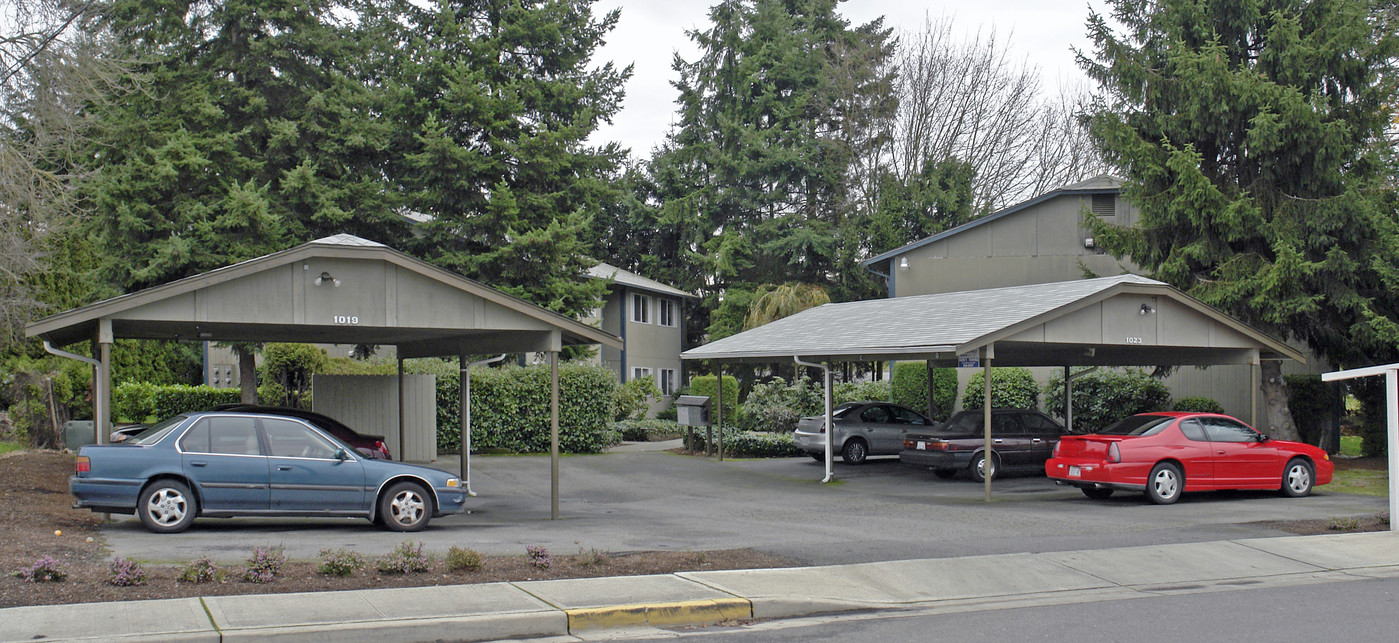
50,72
966,98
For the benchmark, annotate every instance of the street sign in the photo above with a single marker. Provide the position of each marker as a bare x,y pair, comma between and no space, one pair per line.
968,360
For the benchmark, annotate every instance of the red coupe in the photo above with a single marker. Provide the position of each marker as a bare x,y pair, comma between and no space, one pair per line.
1165,454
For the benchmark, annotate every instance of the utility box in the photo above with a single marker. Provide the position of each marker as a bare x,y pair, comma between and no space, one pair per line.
78,433
692,410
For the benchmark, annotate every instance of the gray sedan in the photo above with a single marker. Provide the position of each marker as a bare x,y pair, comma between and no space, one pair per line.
862,429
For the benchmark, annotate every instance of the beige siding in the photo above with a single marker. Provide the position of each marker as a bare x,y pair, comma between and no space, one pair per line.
369,404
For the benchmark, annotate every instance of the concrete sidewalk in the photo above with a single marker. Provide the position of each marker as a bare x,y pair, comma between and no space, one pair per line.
577,607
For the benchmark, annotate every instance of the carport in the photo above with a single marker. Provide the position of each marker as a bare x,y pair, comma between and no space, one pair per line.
340,289
1126,320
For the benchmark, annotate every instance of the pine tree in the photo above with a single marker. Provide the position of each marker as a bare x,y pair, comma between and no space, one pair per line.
1251,135
495,101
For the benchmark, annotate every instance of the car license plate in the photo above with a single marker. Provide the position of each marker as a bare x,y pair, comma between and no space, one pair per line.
1075,472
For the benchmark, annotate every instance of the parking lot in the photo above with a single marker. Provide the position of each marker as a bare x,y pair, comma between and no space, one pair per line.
655,500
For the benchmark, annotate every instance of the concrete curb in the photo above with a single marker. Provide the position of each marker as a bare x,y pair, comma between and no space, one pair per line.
672,614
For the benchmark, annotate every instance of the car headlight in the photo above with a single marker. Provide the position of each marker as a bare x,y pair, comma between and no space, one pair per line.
453,482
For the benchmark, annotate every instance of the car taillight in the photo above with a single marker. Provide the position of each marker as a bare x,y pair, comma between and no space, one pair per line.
1056,448
1114,454
382,448
84,464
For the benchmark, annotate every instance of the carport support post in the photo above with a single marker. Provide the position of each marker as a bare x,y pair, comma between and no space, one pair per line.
553,435
102,404
402,455
1391,385
1068,401
719,409
986,420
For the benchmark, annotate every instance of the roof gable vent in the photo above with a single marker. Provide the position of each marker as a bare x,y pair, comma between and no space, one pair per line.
1104,205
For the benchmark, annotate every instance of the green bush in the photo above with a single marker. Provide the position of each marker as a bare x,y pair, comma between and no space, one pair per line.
775,406
1313,404
290,366
1104,397
179,398
510,409
647,430
1011,388
751,444
862,390
1373,426
633,397
704,385
909,387
1198,404
459,559
134,402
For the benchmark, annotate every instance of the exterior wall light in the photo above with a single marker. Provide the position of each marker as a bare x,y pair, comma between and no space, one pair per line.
903,263
326,278
1146,310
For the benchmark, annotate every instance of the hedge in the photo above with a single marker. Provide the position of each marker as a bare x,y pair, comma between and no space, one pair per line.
1011,388
647,430
775,406
1197,404
909,387
751,444
704,385
1104,397
510,409
1313,404
143,402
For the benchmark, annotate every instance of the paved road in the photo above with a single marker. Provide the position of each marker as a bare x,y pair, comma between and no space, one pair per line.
1357,611
634,501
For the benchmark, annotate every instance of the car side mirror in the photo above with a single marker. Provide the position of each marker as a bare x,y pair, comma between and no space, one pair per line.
1262,437
341,455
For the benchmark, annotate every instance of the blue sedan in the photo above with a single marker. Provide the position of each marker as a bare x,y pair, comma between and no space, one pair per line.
242,464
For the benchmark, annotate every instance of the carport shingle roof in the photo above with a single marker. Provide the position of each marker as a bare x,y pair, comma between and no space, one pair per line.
938,323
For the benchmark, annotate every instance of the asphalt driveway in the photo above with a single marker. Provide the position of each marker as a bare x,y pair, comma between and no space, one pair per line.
651,500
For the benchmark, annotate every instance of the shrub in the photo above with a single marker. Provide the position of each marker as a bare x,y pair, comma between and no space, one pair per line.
340,562
856,391
1198,404
1314,405
909,387
1104,397
290,366
46,569
647,430
1370,392
591,558
775,406
201,570
752,444
539,556
510,409
134,402
141,402
632,397
125,573
264,565
459,559
406,558
704,385
1011,388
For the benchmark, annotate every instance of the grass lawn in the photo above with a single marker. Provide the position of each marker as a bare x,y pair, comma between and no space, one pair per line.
1364,476
1350,445
6,447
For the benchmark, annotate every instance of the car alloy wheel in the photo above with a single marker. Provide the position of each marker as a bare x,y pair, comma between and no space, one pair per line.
1297,481
1163,485
167,507
405,507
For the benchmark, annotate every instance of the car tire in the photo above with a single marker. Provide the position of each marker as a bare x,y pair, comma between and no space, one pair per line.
981,469
854,452
1097,493
1297,478
1164,484
405,506
945,473
167,506
819,457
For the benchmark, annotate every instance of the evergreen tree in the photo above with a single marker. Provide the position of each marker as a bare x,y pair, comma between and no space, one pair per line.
756,179
248,136
495,101
1251,135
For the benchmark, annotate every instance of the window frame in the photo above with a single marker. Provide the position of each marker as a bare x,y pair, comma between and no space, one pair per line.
665,313
640,308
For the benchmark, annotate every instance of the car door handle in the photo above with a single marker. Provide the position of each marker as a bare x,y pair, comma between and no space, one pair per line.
197,463
997,441
1036,440
283,467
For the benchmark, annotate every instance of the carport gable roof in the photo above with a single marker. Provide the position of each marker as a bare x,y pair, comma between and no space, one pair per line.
942,326
175,310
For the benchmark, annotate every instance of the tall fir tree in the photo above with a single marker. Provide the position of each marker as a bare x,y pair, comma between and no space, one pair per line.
248,136
495,101
1251,135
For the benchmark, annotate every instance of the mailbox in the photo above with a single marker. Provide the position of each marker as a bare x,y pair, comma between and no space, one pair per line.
692,410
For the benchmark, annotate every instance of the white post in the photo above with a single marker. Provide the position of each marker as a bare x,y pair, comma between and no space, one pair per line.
1391,380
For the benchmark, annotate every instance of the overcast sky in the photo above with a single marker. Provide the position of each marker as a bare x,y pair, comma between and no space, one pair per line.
649,32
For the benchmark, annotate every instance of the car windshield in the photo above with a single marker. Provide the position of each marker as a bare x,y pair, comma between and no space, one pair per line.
844,409
1138,425
156,431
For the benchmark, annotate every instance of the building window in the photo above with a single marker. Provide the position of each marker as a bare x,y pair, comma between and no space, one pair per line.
638,372
1104,205
665,312
667,381
640,309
